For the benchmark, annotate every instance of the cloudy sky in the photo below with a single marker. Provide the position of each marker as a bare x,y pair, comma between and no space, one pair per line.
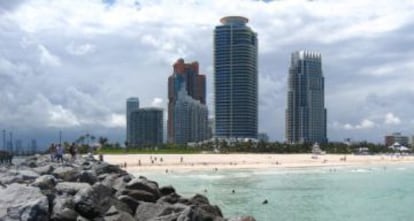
70,64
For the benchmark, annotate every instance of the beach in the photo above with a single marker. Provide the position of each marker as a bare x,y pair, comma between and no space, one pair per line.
179,162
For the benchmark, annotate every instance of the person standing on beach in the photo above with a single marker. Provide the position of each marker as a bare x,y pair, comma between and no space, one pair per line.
52,152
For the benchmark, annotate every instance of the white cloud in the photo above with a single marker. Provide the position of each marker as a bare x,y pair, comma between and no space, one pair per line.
157,102
81,49
390,118
47,58
364,124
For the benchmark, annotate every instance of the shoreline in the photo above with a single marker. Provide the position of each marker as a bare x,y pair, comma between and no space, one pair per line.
234,161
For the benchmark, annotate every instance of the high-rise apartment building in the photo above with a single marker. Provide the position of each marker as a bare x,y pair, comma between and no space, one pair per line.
184,75
147,126
306,113
132,104
190,119
235,82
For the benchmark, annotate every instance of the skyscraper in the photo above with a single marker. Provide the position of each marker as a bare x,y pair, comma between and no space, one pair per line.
190,119
306,113
132,104
147,126
184,75
235,82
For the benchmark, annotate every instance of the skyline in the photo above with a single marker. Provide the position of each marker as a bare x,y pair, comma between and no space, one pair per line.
70,66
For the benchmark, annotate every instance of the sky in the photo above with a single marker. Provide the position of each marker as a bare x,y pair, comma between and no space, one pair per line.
70,65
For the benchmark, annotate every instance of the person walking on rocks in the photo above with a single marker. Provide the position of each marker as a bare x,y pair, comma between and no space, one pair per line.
72,151
59,153
52,151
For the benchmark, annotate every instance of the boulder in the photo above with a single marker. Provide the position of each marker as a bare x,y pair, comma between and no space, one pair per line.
66,173
71,188
63,208
103,167
21,202
45,182
48,169
87,176
93,201
149,211
142,183
171,199
9,178
28,174
167,190
113,214
130,202
140,195
114,181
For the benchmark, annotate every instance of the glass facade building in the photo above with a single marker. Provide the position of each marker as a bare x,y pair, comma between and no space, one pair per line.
306,113
235,82
147,126
185,76
132,104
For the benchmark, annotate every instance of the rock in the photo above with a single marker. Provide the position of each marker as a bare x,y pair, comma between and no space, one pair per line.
45,182
131,202
93,201
114,181
48,169
142,183
149,211
87,177
21,202
140,195
166,190
8,179
71,188
242,218
199,199
113,214
103,167
66,173
63,208
65,214
171,199
28,174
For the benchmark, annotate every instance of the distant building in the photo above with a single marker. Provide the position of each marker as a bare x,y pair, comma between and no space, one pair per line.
132,104
306,114
190,119
211,128
235,81
263,137
185,76
147,126
389,140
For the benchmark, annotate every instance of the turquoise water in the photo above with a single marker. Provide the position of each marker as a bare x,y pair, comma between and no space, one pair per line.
363,193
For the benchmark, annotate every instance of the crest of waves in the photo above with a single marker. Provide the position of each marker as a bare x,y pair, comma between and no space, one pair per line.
288,171
361,170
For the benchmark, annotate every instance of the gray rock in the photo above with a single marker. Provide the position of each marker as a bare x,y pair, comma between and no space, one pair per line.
113,214
149,211
71,187
88,177
45,182
103,167
140,195
48,169
21,202
93,201
28,174
167,190
114,181
66,173
142,183
130,202
8,179
65,214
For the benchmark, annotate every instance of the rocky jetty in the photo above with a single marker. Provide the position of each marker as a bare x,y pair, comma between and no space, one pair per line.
88,189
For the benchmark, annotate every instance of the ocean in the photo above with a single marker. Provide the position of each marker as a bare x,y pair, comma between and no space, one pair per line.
345,193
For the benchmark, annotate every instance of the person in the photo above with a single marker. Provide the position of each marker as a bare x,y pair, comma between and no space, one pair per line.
59,153
72,151
52,151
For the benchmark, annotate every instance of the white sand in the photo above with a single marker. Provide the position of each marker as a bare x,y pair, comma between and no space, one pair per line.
246,161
